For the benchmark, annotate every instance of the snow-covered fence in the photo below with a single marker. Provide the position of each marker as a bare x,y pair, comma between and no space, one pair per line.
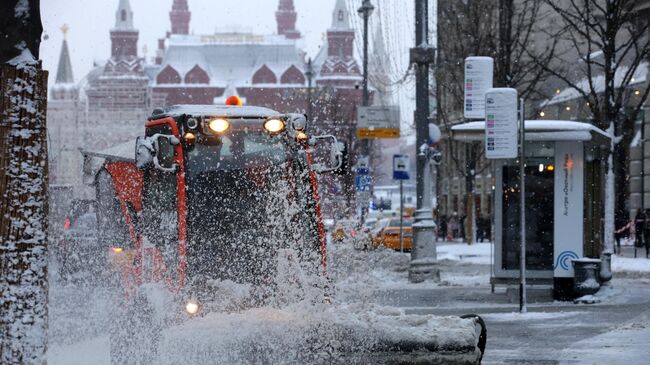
23,212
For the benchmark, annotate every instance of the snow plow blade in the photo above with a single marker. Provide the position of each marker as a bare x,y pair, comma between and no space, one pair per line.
336,335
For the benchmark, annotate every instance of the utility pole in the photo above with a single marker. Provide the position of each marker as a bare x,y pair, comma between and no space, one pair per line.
423,254
310,75
365,11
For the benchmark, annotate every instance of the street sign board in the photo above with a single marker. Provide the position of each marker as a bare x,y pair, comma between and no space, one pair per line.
501,123
401,167
363,165
378,122
362,182
479,73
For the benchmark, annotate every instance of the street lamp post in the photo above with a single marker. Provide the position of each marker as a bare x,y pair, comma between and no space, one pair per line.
423,253
365,11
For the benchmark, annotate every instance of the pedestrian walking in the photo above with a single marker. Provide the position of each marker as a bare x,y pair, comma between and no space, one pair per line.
639,231
442,228
462,227
453,225
646,232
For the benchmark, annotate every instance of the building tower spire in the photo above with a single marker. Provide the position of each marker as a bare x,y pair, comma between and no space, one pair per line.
340,16
180,17
64,88
340,36
64,72
124,37
286,18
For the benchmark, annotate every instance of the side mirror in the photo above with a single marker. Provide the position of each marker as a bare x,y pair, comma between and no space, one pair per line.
336,156
297,121
344,155
156,151
144,153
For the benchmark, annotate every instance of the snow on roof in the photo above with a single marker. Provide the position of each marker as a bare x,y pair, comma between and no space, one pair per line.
221,110
94,160
120,152
640,76
543,129
232,62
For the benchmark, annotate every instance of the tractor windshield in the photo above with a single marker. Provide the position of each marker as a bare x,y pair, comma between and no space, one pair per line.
243,199
235,151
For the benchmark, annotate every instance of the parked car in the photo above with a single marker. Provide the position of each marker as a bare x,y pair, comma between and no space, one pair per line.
344,229
386,234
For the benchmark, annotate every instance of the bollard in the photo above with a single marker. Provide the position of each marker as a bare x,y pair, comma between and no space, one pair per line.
606,268
425,264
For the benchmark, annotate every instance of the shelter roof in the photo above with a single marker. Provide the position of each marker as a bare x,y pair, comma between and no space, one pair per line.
537,130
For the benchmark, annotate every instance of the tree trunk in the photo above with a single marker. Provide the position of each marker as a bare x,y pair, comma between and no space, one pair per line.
608,241
23,213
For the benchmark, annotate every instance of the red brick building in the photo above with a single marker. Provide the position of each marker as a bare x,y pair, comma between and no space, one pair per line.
265,70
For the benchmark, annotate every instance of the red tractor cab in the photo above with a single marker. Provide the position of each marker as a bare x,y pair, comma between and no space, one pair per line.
216,194
212,192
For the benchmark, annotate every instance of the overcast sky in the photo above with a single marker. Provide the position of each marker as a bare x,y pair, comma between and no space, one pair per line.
90,22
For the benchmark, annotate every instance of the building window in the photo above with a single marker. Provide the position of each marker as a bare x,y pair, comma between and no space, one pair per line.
123,15
264,75
341,15
292,76
168,75
197,76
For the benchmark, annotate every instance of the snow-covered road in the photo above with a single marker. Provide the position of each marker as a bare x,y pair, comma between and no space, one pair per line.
550,333
80,316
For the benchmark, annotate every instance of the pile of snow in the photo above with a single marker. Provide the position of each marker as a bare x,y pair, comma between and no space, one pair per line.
295,326
478,253
628,264
361,273
320,334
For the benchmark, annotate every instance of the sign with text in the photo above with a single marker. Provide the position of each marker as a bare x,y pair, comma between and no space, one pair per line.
568,222
501,123
363,165
378,122
363,182
479,72
401,167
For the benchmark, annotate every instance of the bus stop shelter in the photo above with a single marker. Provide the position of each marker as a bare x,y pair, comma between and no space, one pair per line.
564,192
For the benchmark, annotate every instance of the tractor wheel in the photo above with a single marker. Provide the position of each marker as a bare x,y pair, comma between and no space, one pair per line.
135,334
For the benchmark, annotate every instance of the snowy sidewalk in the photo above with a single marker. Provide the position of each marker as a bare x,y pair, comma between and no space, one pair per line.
627,344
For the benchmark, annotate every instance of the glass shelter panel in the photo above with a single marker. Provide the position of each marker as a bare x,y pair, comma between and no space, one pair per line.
539,213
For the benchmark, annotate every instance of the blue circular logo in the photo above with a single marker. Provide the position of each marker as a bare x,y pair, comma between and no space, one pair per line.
564,260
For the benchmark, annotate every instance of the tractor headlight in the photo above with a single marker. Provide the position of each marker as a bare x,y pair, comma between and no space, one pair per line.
274,125
302,136
219,125
192,307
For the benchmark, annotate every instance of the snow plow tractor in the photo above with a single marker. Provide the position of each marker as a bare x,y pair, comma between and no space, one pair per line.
213,226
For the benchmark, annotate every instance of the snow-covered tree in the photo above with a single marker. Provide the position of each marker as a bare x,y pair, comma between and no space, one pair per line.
611,40
23,187
508,31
